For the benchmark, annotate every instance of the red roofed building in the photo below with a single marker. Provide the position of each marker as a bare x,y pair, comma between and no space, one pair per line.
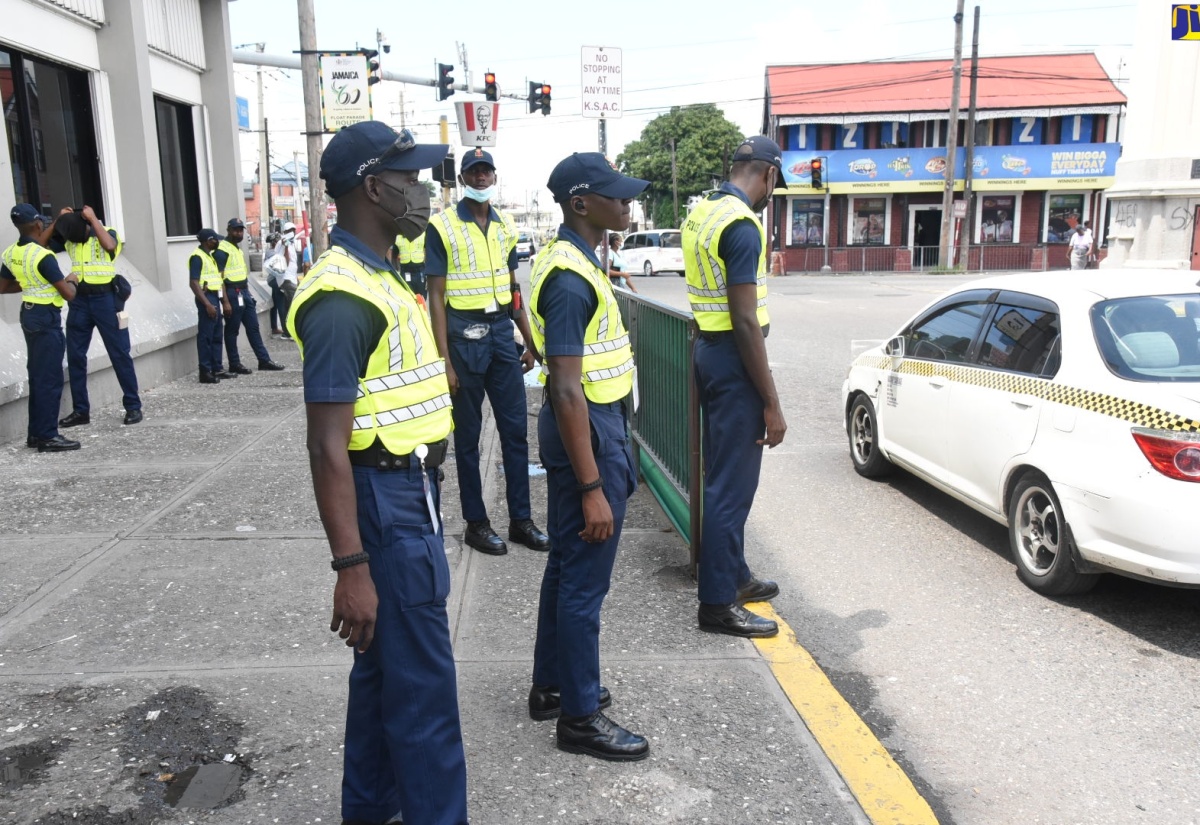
1046,146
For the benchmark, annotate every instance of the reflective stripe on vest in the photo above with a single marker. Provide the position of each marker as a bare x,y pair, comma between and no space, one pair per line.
708,292
403,250
235,264
210,275
22,262
404,398
90,263
476,267
607,369
417,249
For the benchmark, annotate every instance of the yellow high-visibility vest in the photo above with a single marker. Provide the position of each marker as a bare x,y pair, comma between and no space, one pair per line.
607,356
235,265
708,292
404,397
90,262
23,262
210,275
477,267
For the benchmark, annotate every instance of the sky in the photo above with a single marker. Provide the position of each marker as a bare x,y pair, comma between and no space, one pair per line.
673,54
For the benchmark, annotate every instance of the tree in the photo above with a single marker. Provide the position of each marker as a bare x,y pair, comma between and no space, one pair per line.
704,140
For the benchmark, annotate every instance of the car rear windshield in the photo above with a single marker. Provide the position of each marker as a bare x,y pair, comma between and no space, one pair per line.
1150,337
672,240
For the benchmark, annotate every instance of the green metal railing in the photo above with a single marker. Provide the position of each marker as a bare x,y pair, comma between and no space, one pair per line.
666,425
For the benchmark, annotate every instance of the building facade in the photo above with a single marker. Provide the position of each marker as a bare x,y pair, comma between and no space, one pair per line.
126,106
1046,147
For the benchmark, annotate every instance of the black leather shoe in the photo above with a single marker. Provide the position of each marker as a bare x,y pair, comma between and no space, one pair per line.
133,416
208,377
601,737
223,374
58,444
239,369
546,702
482,537
75,419
735,620
757,590
30,441
270,366
527,533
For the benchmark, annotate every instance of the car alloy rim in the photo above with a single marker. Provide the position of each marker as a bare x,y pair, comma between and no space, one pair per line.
1039,531
863,435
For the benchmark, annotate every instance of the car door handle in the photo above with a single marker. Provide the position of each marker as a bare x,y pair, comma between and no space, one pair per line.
1021,405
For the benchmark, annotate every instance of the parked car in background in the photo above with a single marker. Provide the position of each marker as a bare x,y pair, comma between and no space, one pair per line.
526,246
1064,406
653,251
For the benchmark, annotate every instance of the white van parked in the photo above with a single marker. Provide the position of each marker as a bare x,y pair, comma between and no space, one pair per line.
654,251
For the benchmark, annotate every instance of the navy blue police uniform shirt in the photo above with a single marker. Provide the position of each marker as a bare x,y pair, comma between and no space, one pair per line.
567,303
47,267
339,340
741,244
57,244
437,260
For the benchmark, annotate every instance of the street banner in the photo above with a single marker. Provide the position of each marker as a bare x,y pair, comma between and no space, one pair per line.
345,89
477,122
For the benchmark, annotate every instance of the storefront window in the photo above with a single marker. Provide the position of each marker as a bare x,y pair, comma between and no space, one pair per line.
869,220
177,156
1066,212
807,222
996,220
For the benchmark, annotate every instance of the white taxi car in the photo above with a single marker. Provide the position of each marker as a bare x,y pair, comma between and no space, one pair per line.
1063,405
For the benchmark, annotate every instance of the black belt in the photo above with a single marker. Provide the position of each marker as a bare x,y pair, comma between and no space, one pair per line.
32,304
480,315
84,288
720,335
378,457
236,284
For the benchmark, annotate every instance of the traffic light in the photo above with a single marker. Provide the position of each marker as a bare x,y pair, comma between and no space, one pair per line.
445,80
535,96
444,172
490,90
818,172
545,100
372,56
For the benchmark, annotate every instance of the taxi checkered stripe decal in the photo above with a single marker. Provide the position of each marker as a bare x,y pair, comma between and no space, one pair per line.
1143,415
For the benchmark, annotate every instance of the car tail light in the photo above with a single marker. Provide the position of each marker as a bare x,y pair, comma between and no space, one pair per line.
1176,455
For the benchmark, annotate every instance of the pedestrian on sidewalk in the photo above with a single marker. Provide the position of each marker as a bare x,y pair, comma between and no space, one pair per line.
474,299
378,408
204,279
232,263
586,451
725,257
29,268
618,272
1081,246
94,249
289,275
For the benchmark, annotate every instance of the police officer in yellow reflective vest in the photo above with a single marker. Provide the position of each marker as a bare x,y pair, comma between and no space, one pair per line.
243,308
378,408
204,279
31,269
586,451
725,261
94,249
471,266
412,263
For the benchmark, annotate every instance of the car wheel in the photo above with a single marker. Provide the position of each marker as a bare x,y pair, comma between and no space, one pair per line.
863,430
681,273
1041,540
648,269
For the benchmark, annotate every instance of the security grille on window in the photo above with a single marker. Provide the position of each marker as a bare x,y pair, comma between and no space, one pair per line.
177,156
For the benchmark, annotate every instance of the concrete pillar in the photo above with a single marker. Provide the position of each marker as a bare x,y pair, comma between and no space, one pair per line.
217,92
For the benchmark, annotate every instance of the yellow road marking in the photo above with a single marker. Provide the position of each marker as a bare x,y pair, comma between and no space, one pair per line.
884,791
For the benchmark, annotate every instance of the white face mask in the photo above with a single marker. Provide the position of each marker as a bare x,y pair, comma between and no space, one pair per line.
481,195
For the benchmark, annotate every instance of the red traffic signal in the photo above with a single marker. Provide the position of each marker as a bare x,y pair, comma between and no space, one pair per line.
490,90
545,99
818,173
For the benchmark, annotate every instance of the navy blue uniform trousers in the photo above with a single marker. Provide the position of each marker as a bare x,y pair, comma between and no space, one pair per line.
488,366
45,345
566,654
404,749
732,414
414,275
208,334
245,314
98,311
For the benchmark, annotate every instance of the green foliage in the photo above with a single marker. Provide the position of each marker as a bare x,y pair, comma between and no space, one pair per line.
704,139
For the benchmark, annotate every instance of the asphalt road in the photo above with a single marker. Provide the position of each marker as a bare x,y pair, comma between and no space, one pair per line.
1003,706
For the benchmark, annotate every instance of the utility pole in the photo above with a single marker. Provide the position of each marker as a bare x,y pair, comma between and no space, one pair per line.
444,137
264,162
310,77
946,247
964,241
266,176
674,187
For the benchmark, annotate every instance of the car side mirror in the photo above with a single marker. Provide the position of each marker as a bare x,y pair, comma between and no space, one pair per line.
895,347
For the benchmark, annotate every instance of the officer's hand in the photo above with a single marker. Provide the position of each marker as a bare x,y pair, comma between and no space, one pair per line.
776,426
66,210
597,517
72,278
88,214
451,377
354,607
527,360
226,309
211,310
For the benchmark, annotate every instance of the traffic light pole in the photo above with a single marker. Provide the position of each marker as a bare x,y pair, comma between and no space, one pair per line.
602,140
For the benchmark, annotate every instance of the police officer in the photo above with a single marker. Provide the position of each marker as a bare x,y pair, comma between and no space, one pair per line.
586,451
204,278
412,263
378,408
31,269
94,249
725,258
471,266
232,263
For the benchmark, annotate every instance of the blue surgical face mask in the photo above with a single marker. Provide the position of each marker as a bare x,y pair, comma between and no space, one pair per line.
481,195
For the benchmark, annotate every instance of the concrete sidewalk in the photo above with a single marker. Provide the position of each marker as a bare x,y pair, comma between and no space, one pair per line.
164,604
